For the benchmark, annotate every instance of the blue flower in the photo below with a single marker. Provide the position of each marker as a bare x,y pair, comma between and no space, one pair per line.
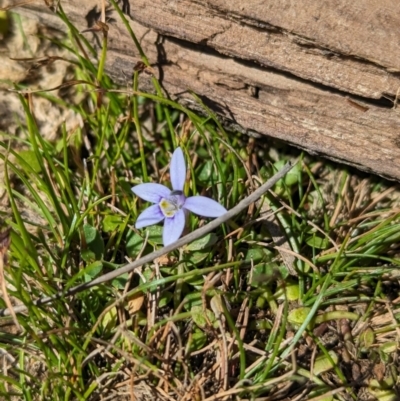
171,206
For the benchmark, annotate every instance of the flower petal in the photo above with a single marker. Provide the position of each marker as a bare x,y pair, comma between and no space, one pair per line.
173,227
178,170
151,215
151,192
204,206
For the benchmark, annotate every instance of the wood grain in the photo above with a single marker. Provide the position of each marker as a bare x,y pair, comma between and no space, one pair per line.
322,78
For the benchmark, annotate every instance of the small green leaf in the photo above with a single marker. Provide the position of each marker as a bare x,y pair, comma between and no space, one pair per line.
262,324
265,273
198,340
147,275
112,222
196,281
205,172
367,339
165,298
389,347
29,161
91,271
292,177
94,241
282,187
109,320
204,242
261,302
198,256
208,173
318,242
324,364
258,254
203,318
289,291
88,256
192,299
134,243
155,234
120,282
299,315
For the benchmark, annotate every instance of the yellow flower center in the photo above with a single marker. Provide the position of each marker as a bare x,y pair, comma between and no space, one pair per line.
175,201
168,208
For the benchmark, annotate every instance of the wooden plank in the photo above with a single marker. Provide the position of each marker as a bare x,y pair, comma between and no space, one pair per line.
366,29
259,68
260,31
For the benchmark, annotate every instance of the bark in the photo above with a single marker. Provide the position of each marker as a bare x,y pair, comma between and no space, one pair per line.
320,75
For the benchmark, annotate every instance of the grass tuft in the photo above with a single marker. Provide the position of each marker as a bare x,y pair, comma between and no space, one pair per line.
295,297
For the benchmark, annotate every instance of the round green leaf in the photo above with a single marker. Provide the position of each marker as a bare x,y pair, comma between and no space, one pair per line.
265,273
299,315
94,241
198,340
202,317
111,222
134,243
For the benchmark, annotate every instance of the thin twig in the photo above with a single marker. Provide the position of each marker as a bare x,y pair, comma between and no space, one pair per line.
161,252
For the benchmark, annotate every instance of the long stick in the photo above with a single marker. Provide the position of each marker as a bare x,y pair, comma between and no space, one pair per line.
154,255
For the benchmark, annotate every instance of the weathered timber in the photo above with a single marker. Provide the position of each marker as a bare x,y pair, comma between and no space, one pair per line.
322,76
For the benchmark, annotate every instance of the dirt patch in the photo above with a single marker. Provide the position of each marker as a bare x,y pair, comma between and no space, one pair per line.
23,49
